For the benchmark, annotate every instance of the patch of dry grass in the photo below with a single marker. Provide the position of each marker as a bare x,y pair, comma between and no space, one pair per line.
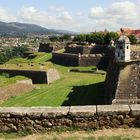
106,134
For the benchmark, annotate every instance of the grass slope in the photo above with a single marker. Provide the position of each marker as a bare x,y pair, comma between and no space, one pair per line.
71,89
4,81
30,64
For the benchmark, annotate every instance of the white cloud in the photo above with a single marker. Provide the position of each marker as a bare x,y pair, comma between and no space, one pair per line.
79,14
119,14
65,16
56,9
33,15
96,12
5,16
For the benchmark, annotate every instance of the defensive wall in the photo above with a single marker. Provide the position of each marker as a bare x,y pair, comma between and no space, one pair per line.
38,77
85,49
34,119
50,47
68,59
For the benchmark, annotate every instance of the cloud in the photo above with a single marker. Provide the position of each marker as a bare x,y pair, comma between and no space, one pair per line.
79,14
33,15
96,12
65,16
56,9
5,16
119,14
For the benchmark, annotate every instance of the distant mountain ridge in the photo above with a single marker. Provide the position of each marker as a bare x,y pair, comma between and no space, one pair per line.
20,29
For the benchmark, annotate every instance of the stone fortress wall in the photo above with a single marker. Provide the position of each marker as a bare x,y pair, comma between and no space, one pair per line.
80,55
33,119
50,47
68,59
85,49
38,77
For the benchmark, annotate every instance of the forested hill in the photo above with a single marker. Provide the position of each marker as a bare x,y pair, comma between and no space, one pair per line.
20,29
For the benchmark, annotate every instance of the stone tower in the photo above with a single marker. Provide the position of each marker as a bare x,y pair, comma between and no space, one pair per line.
122,52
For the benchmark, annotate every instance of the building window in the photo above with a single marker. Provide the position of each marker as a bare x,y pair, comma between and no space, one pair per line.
127,47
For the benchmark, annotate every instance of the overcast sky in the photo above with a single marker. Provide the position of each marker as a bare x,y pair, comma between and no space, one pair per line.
74,15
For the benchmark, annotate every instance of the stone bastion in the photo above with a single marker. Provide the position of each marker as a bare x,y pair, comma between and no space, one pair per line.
33,119
38,77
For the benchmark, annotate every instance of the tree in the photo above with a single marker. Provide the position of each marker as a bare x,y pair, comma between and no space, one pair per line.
9,53
90,38
19,51
54,38
109,36
132,38
80,38
98,38
65,37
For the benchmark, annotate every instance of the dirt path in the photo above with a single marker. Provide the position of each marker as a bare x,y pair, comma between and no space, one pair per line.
80,135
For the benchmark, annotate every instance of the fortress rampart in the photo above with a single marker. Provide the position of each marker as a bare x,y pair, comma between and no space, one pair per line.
38,77
68,59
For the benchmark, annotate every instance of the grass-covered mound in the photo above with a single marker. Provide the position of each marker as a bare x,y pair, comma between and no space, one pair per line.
5,80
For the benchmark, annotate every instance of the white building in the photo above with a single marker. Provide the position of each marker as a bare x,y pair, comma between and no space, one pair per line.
122,52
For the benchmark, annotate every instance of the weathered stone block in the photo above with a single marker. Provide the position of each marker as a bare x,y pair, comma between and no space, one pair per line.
54,112
112,109
135,109
82,111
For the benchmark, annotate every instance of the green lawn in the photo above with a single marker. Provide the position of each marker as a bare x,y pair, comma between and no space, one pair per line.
71,89
30,64
36,57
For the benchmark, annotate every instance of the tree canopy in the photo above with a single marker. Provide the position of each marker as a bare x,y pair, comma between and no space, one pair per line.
133,39
109,36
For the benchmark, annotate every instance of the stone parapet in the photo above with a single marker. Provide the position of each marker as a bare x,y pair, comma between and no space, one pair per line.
16,119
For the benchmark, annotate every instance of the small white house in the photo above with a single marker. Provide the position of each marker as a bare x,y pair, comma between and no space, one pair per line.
122,52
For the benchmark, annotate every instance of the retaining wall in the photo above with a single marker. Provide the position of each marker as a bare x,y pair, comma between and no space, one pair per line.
65,59
89,60
50,47
86,49
38,77
84,117
75,59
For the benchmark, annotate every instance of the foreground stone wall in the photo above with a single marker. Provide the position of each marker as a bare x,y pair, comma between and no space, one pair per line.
84,117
